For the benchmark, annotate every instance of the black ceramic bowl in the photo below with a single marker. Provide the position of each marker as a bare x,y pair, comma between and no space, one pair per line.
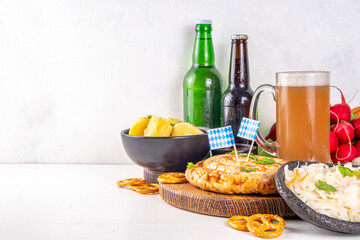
240,147
166,154
304,211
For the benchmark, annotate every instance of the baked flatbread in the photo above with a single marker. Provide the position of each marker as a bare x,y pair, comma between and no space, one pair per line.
223,174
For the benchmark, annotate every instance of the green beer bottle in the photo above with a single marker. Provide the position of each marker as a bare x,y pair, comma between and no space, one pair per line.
202,83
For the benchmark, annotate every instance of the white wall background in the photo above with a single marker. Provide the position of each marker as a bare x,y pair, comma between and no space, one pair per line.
74,73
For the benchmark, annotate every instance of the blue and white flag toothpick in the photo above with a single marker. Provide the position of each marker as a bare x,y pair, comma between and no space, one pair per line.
248,130
221,138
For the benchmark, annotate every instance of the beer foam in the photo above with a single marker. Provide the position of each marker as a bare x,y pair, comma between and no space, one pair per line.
303,79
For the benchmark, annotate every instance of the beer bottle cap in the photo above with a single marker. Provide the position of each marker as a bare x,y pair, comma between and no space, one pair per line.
239,36
203,22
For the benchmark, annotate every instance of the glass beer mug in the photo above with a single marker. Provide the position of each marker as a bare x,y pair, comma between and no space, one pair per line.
302,116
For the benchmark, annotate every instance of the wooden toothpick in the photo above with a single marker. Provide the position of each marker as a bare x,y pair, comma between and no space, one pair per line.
237,158
252,144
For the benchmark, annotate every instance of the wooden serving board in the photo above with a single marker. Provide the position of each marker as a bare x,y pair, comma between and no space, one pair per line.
151,176
188,197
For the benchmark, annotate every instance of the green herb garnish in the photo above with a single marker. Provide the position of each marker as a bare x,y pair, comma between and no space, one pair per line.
265,161
231,153
243,154
253,156
248,169
347,171
190,165
322,185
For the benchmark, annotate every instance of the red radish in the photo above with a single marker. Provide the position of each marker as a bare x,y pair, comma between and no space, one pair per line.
272,133
340,112
357,146
356,124
334,142
345,153
344,131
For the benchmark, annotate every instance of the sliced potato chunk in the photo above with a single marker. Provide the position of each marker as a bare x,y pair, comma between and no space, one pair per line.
158,127
172,120
139,126
184,129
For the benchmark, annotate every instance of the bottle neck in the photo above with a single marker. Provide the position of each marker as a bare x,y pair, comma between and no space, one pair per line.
239,66
203,55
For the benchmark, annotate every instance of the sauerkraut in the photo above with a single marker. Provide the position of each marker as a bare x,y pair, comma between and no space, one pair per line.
342,204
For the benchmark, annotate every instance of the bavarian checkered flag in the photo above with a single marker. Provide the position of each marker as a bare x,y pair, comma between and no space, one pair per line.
221,137
248,128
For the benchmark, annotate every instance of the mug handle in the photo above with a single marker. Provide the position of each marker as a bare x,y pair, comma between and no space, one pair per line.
269,147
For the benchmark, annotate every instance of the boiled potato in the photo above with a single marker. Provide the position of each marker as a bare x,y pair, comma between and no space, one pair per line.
184,129
139,126
158,127
172,121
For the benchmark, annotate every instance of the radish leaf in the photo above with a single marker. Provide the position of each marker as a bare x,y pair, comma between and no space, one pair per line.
353,116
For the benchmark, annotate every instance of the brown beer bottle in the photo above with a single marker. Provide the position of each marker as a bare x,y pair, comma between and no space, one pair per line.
237,97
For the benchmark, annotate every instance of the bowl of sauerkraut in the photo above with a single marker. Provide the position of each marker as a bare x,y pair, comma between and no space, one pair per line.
324,194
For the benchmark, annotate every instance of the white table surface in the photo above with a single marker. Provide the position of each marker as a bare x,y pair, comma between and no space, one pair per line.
83,202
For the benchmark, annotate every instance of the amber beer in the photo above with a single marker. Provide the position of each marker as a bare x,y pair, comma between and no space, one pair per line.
303,120
302,116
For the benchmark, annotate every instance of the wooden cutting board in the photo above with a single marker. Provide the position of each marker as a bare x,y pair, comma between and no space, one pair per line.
188,197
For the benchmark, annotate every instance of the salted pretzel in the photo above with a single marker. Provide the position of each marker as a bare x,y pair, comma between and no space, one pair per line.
131,182
267,227
172,177
146,188
238,222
